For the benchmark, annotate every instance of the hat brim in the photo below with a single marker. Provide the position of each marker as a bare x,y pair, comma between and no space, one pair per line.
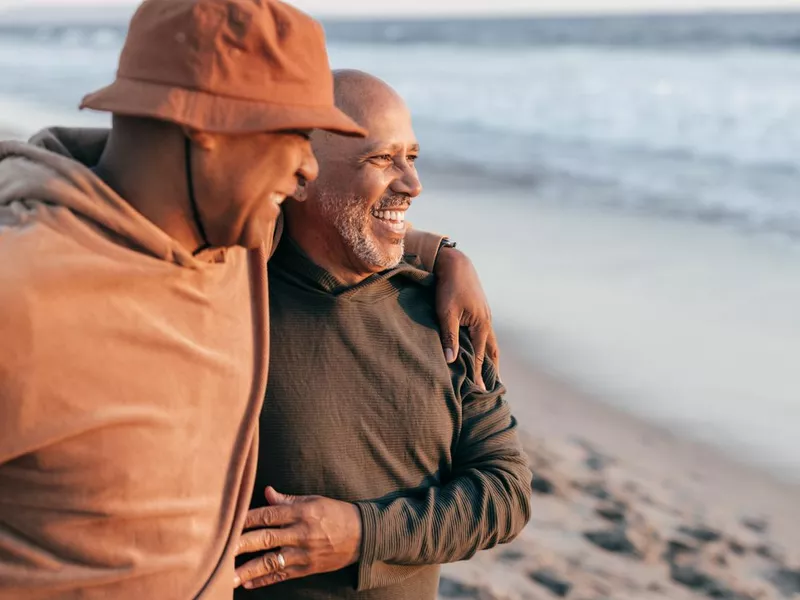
215,114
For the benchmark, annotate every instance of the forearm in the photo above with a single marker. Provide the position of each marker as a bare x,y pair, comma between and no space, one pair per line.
476,511
484,502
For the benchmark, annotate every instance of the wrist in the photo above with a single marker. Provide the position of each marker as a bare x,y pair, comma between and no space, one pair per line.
358,528
447,256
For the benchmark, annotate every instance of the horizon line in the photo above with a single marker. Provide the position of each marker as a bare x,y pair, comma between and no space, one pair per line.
28,10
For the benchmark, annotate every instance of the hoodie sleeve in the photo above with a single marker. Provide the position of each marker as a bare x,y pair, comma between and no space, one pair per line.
425,246
85,145
485,502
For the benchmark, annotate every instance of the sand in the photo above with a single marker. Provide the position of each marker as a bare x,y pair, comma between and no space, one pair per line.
630,500
625,510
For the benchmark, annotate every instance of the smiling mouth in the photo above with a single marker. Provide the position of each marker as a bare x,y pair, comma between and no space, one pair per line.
394,220
277,198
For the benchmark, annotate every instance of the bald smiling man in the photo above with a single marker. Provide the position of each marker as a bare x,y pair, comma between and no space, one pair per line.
423,461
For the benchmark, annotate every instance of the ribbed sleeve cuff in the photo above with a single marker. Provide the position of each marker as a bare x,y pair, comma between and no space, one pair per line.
369,542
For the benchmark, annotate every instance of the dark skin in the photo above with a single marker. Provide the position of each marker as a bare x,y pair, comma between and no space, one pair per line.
154,183
380,168
384,163
315,534
240,181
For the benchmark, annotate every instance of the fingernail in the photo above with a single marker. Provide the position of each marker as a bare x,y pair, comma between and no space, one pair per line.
236,582
248,585
449,355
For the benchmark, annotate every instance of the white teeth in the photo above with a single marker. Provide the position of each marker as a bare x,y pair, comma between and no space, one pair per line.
393,216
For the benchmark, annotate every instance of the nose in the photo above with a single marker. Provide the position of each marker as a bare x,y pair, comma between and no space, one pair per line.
408,184
309,167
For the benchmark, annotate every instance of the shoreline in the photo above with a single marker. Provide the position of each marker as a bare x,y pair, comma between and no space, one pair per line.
632,500
627,505
623,508
687,325
550,408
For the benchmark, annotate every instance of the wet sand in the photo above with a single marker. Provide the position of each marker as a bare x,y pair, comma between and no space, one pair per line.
635,352
625,510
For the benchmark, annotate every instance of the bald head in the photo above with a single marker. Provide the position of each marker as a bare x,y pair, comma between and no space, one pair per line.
353,220
359,94
366,99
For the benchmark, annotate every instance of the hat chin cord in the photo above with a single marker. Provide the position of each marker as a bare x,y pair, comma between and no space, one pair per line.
198,220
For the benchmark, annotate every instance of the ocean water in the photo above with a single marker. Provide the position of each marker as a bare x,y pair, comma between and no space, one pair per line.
691,117
660,225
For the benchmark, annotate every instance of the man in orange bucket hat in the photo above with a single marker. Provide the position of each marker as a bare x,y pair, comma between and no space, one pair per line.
134,327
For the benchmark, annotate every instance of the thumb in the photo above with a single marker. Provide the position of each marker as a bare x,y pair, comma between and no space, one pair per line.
274,497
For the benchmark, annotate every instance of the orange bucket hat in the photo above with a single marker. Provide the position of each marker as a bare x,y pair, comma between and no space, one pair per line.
225,66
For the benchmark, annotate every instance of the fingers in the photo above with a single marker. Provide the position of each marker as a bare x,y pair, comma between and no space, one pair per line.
270,516
289,573
267,568
260,540
493,352
479,334
449,324
274,497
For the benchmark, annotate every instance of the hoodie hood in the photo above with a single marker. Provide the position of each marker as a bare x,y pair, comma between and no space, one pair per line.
53,172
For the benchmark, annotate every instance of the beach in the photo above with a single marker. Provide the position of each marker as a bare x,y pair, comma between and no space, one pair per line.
628,503
624,509
688,324
627,189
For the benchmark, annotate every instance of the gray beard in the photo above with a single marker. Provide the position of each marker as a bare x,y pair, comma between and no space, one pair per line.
346,214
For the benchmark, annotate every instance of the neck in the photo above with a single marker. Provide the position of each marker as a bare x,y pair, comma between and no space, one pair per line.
146,167
327,250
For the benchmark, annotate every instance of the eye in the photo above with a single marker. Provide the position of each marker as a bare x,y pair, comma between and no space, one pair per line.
303,133
383,158
412,158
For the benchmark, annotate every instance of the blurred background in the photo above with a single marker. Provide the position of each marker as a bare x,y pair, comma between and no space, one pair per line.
626,177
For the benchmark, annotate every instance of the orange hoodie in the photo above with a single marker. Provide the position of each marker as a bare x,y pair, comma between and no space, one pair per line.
131,378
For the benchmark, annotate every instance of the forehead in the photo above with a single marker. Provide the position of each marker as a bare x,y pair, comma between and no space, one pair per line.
388,121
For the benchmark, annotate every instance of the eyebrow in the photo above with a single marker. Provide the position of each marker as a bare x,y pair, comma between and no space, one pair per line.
392,147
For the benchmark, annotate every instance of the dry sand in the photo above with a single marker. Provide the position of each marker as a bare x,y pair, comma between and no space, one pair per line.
625,510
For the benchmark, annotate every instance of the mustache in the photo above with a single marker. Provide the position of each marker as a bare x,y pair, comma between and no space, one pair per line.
394,201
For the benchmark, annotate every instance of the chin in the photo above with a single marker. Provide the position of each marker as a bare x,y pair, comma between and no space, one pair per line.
261,231
392,257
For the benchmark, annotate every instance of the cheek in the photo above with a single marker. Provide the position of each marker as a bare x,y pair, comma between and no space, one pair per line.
373,187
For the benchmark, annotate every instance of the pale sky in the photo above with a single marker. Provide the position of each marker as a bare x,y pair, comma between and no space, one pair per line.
452,7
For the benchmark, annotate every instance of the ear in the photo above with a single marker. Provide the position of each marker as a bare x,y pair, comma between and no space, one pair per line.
202,139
